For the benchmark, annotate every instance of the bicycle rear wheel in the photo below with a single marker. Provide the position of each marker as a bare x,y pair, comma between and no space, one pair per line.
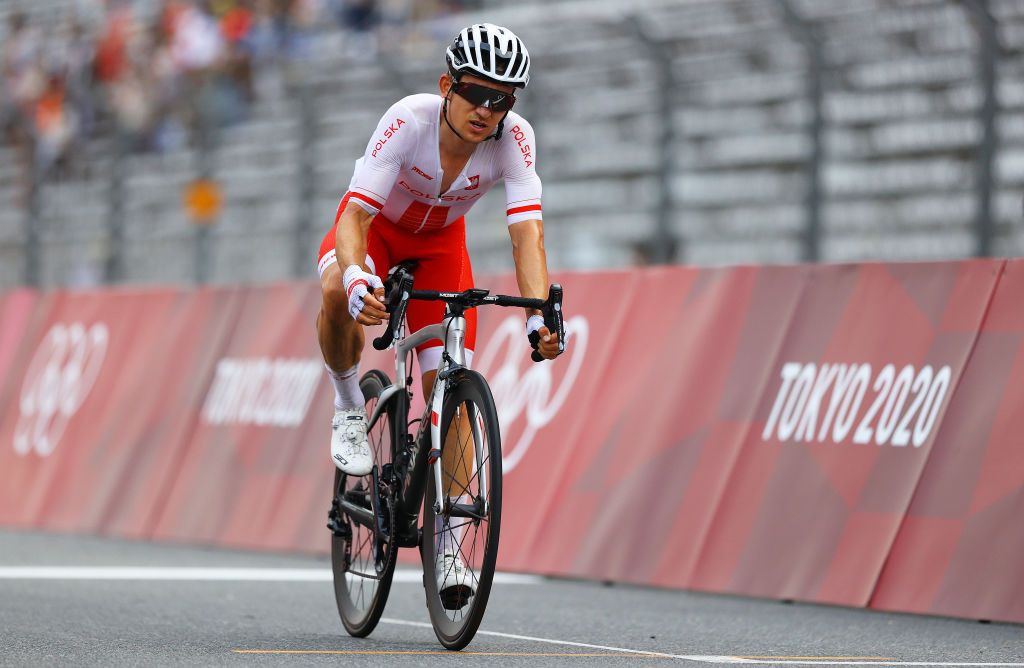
363,566
469,415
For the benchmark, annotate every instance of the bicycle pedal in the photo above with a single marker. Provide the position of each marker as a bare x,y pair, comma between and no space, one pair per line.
338,528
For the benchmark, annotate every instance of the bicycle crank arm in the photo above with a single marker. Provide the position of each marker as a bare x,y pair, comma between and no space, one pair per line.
337,527
358,514
379,535
364,575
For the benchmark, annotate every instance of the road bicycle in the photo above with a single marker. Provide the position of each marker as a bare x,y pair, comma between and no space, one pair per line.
451,467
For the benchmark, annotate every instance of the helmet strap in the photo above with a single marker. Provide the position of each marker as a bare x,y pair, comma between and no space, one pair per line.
444,112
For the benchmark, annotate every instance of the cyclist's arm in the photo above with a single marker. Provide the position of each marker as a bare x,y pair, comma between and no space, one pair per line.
522,207
530,259
532,274
350,237
525,220
375,175
350,246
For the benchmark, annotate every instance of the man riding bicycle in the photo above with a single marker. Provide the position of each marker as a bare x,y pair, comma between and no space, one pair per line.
426,164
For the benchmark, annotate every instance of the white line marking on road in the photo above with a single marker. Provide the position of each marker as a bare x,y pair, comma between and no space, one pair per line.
709,659
713,658
207,574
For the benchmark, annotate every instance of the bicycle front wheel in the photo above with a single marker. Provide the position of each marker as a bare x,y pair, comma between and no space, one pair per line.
363,565
457,597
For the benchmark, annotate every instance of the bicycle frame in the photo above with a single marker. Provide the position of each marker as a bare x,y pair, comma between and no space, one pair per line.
406,475
389,502
409,462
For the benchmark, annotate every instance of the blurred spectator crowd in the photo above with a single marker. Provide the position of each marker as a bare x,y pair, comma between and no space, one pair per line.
157,71
154,77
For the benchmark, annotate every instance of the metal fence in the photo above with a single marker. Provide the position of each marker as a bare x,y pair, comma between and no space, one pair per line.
687,131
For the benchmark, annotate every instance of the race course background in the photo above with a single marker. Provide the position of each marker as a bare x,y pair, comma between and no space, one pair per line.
843,434
201,606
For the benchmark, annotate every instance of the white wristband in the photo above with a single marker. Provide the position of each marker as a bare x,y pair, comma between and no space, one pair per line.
358,284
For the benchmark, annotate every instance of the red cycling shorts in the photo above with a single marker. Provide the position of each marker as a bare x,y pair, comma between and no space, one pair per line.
443,264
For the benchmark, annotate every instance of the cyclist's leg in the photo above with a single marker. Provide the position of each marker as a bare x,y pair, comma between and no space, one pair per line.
341,338
341,342
442,263
450,269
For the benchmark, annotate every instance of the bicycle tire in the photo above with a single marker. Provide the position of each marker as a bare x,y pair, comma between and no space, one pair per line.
360,610
455,628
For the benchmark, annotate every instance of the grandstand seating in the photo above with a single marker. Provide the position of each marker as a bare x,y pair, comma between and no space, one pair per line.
901,100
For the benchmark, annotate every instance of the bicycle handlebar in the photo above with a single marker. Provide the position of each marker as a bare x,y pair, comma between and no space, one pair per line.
476,297
399,291
552,312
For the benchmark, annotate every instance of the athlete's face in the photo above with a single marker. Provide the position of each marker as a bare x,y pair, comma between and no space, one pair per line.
473,123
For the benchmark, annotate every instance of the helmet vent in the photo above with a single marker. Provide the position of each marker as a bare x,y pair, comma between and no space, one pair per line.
491,52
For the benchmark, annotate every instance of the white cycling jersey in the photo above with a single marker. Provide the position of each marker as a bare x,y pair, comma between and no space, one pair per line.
399,176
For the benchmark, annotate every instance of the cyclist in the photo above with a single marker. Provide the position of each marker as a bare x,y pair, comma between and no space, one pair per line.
429,160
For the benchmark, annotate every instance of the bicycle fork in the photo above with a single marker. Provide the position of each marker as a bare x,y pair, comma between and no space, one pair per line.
455,352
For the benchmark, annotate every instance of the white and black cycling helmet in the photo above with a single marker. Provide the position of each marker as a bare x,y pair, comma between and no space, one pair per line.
491,52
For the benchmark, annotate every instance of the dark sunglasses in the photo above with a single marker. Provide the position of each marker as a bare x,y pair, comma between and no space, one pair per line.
482,96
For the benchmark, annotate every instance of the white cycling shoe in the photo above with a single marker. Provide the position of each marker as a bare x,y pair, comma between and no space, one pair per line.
456,584
350,451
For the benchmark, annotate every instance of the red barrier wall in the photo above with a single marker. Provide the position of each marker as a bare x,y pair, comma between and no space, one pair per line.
841,434
959,550
810,513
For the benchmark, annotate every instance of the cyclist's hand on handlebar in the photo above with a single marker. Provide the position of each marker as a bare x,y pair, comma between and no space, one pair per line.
365,307
548,344
374,311
541,338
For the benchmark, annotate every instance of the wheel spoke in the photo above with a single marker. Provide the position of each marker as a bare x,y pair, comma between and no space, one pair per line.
463,480
471,428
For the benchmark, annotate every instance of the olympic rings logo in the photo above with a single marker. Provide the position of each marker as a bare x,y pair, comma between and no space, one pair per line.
529,393
59,378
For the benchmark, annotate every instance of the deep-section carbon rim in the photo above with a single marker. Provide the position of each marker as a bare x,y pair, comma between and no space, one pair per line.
362,585
456,617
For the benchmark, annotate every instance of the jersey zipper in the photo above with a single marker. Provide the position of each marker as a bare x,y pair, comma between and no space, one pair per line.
437,200
438,174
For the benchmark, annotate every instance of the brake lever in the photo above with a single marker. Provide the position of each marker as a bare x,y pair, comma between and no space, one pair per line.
395,304
552,313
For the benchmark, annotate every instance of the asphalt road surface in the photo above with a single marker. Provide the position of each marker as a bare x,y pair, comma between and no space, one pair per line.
70,600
